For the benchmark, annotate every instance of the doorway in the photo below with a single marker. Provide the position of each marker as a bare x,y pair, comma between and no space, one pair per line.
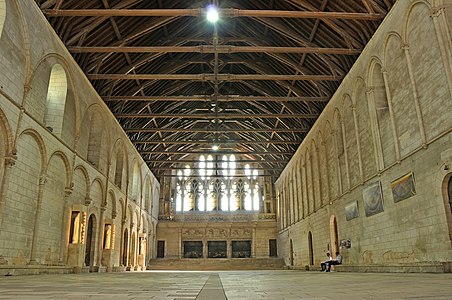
272,246
291,253
90,241
334,235
311,249
125,247
448,203
160,249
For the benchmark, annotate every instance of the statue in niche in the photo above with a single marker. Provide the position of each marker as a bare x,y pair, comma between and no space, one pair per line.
75,227
107,236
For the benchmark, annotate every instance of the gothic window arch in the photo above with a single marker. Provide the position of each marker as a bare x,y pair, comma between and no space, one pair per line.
217,186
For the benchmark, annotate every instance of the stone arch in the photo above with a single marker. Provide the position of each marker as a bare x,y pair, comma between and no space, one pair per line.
94,138
316,176
54,105
97,192
447,196
135,183
401,89
2,15
18,45
81,190
52,209
56,100
147,193
30,168
381,105
114,211
366,142
110,203
331,162
430,74
91,240
323,169
334,237
340,148
351,142
119,163
67,166
5,142
303,187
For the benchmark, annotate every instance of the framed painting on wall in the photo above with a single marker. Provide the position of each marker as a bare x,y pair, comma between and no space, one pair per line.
351,210
403,187
373,199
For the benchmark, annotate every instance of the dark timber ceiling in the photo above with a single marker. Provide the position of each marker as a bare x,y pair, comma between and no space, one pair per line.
255,82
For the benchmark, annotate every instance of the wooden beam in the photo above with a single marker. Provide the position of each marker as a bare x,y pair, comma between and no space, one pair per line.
189,161
219,169
218,116
229,142
219,152
212,77
218,49
198,12
209,98
209,130
214,175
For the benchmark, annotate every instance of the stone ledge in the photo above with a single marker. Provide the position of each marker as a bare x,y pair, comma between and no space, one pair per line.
434,267
9,270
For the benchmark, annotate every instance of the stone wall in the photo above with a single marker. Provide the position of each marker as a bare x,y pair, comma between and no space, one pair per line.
175,233
380,151
64,159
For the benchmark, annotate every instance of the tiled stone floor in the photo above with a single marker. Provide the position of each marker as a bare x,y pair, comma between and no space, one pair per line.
234,285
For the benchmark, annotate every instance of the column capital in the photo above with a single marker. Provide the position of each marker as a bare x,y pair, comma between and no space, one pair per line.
10,160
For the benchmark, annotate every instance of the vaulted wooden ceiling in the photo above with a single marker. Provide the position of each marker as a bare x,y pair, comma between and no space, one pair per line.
254,83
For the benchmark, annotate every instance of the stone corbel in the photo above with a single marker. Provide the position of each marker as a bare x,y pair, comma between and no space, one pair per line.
88,201
10,160
42,179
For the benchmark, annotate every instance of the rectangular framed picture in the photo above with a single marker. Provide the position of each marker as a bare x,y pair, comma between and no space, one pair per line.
351,211
403,187
373,199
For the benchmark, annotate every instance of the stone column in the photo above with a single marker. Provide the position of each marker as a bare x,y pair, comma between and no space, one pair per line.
42,181
100,236
10,161
65,229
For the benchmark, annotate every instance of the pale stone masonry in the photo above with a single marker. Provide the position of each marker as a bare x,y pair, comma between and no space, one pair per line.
391,118
372,179
74,193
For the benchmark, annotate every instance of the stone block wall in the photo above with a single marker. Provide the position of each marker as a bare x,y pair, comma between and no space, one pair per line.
391,117
67,171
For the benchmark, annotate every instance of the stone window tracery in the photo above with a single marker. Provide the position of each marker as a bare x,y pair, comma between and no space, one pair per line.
216,186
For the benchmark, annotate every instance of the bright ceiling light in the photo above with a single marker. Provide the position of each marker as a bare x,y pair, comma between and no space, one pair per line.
212,14
215,147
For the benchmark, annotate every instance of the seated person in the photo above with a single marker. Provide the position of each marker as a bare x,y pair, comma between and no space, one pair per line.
333,262
324,264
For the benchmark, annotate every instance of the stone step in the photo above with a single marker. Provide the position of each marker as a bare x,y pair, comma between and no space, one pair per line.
217,264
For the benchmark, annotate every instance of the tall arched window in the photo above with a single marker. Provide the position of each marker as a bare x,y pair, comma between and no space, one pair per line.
2,15
135,182
383,116
56,100
216,186
96,132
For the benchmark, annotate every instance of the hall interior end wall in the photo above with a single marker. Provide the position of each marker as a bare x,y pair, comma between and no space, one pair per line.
392,115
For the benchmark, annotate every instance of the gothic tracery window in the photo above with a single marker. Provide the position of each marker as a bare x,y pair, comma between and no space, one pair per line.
212,186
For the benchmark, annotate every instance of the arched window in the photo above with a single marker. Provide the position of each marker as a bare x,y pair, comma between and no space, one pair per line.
95,139
216,186
56,100
383,117
2,15
135,182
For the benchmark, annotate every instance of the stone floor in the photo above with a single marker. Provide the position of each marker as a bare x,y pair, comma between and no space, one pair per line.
232,285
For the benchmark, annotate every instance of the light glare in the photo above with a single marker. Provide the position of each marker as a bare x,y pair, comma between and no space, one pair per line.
212,14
